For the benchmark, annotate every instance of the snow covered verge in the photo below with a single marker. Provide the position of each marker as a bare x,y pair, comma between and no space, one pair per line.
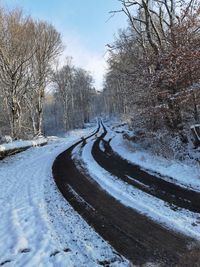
187,175
18,146
185,172
170,145
38,227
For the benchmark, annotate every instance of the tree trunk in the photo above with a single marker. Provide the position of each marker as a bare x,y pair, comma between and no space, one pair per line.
195,112
40,111
15,119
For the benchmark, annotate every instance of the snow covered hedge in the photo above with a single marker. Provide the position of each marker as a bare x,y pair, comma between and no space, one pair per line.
18,146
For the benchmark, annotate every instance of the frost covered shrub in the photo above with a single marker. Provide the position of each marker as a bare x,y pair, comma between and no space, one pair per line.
161,144
5,139
166,146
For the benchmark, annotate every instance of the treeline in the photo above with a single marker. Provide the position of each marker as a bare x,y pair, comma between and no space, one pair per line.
73,100
29,50
154,65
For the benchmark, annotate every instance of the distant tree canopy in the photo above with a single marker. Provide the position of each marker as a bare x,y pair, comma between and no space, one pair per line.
75,92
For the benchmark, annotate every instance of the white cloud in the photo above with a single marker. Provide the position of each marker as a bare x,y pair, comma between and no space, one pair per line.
85,58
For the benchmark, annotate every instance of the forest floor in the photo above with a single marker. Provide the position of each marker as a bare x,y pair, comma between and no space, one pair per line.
121,204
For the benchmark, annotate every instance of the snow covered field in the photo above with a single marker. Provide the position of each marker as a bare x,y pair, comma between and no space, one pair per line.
38,227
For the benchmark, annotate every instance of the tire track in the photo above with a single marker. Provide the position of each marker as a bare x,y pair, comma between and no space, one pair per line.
122,227
134,175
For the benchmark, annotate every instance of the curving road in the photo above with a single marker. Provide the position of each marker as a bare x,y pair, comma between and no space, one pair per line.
132,174
132,235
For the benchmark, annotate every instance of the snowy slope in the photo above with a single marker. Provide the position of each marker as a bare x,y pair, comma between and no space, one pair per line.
38,227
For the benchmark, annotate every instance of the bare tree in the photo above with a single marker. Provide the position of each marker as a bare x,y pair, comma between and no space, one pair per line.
83,88
48,48
17,47
63,80
154,63
76,94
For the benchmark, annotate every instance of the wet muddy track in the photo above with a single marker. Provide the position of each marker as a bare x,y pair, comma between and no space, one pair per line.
134,175
130,233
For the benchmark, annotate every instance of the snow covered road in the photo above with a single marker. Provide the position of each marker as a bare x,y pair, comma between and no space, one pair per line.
38,227
104,201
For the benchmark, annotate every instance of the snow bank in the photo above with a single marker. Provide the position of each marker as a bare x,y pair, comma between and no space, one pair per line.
170,170
18,146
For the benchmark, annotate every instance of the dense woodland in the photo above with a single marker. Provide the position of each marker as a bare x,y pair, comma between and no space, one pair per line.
152,77
154,66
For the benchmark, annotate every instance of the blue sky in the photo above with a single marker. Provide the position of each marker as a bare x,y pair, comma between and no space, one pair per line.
84,26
